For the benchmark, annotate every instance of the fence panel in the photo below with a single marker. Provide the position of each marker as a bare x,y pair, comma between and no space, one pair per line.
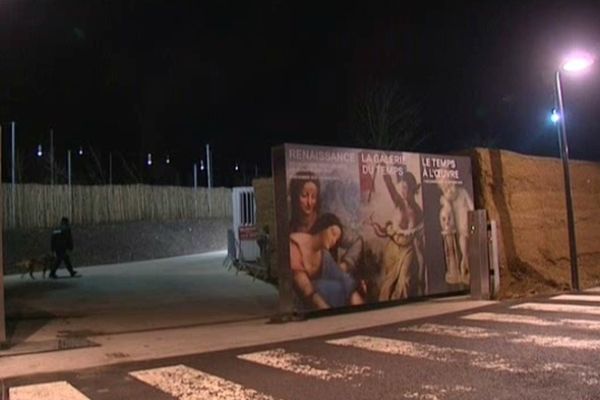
43,205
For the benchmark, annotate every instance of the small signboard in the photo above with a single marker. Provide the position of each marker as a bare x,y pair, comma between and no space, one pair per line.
248,232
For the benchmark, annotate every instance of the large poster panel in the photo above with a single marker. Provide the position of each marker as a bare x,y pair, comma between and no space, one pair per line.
364,226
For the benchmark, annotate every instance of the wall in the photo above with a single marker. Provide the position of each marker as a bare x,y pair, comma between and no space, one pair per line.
265,215
526,196
122,242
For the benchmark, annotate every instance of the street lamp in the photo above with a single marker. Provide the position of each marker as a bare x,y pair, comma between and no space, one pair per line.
554,117
574,63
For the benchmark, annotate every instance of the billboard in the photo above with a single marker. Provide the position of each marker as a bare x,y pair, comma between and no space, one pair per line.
360,226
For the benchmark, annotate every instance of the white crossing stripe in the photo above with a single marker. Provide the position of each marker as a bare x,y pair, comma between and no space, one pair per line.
440,354
469,332
60,390
306,365
567,308
185,383
438,392
427,352
577,297
530,320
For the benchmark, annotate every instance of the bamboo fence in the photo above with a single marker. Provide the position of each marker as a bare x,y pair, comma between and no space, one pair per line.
37,206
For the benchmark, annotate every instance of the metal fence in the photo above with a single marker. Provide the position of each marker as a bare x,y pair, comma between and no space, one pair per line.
34,205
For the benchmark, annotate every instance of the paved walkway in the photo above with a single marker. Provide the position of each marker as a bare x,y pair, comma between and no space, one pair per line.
161,308
138,296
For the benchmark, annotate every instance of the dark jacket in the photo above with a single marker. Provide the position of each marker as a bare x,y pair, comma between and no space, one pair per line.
61,239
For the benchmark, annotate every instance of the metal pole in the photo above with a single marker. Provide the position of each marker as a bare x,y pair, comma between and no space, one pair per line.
69,168
208,166
564,154
195,190
13,188
69,183
12,141
52,156
209,179
2,308
195,176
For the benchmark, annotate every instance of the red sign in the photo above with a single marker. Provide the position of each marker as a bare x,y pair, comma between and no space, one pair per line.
248,232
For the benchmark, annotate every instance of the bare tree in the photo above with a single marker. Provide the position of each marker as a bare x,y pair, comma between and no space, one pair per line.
385,117
95,171
134,173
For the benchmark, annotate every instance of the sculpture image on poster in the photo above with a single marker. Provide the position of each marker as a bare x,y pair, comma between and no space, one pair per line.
446,179
360,221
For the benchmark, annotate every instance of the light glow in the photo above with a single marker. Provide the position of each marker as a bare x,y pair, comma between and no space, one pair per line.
577,62
555,116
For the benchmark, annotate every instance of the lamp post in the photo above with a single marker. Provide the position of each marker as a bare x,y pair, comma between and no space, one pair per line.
572,64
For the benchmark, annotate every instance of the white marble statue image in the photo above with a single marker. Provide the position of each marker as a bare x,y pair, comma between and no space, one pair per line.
455,204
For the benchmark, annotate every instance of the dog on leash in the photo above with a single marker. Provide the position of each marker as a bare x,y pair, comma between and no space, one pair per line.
32,265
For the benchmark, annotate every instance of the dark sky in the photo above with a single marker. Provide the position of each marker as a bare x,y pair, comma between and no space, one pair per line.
170,76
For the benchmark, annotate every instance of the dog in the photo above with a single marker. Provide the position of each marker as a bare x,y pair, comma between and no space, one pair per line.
31,265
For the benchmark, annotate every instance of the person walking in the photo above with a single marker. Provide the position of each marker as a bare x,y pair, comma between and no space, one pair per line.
62,244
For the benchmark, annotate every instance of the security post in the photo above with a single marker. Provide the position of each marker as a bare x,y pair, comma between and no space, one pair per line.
479,255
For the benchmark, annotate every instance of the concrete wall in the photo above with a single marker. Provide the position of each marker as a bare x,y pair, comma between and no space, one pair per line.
265,215
122,242
526,196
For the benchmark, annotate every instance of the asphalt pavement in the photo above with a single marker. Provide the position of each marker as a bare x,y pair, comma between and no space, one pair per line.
538,348
143,311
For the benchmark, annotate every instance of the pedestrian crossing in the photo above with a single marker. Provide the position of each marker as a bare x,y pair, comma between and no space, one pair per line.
562,308
52,390
467,332
576,297
187,383
584,324
436,343
428,352
306,365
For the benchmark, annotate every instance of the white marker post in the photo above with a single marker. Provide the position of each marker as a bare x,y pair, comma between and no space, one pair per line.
195,189
13,187
52,156
69,184
209,179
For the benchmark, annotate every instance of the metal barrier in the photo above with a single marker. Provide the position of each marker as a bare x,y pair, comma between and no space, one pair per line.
244,250
483,256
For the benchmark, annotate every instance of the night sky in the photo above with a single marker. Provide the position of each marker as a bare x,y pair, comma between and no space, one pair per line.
167,77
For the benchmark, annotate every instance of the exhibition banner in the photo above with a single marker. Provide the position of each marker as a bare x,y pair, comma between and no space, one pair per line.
360,226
